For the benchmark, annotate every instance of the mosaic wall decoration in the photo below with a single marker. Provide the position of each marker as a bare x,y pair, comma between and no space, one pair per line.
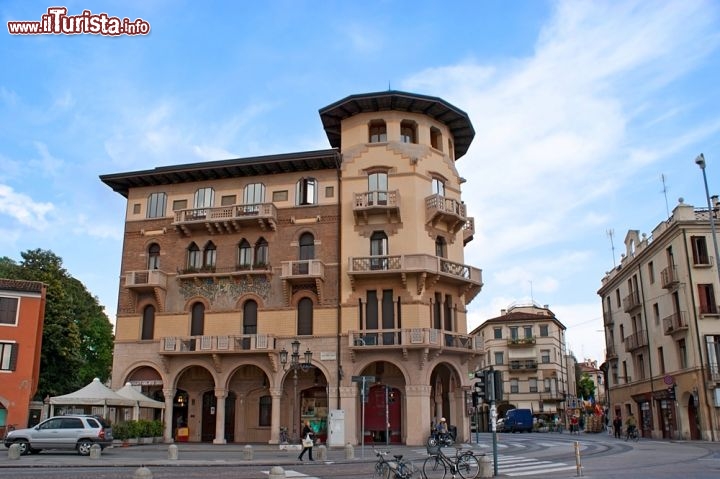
223,293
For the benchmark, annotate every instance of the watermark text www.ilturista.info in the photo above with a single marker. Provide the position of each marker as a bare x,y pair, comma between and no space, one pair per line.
57,22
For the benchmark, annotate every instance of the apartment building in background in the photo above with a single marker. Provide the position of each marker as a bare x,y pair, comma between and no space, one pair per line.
662,328
590,368
323,286
22,316
527,343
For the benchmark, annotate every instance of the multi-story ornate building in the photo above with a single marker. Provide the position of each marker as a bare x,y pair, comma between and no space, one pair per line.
256,293
527,343
662,328
22,316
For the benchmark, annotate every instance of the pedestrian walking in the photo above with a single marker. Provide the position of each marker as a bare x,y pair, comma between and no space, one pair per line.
307,441
617,426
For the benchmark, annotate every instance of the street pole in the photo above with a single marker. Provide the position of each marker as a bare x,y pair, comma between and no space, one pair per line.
295,401
700,160
493,418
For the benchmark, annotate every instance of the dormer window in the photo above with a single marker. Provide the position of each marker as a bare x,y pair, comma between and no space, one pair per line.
377,131
408,131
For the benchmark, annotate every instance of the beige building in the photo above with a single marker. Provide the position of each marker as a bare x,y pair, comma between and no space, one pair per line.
527,343
259,293
662,329
590,367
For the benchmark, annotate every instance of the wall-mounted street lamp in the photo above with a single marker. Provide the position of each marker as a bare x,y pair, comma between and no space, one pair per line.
295,364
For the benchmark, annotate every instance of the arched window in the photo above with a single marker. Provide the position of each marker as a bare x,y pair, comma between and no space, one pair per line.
377,131
244,254
154,256
305,317
440,247
306,253
197,320
156,205
408,131
378,186
261,253
379,250
209,255
194,258
306,191
148,323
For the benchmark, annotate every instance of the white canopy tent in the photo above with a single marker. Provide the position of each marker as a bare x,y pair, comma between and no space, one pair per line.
95,394
141,400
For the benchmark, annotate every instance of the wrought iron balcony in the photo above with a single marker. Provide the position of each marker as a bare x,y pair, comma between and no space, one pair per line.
527,365
377,203
669,277
521,342
427,267
245,343
676,322
631,302
146,280
226,219
449,212
636,341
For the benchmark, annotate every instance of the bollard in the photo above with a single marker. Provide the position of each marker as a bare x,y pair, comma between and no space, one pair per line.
172,452
142,473
485,466
95,451
349,451
321,453
14,451
276,472
248,453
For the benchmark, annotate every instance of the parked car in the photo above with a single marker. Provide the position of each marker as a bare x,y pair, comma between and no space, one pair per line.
78,432
518,420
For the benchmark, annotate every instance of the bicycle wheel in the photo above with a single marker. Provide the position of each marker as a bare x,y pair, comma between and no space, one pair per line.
468,466
407,470
434,468
636,436
382,470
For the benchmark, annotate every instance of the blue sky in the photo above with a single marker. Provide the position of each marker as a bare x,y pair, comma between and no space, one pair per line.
578,107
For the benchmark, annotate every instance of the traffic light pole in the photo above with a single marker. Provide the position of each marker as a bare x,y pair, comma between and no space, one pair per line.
493,418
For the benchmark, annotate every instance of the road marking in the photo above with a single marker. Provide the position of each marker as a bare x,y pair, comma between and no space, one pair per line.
291,473
522,466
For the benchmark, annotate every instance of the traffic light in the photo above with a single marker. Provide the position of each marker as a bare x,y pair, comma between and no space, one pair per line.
498,385
479,391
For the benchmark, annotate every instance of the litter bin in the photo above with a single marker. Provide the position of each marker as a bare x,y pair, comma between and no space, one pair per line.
183,433
452,430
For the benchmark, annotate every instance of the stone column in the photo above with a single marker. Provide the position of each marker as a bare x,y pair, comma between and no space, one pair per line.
220,395
417,412
168,433
275,393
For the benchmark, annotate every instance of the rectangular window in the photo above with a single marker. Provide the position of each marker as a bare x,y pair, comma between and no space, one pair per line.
497,333
514,386
8,356
545,356
625,372
179,205
532,382
641,366
700,251
136,209
280,196
706,298
661,359
656,313
547,385
329,191
228,200
528,331
712,342
617,297
8,310
544,330
682,354
513,332
499,358
651,272
306,192
157,202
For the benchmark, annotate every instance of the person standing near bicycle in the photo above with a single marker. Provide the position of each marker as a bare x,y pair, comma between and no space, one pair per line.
630,424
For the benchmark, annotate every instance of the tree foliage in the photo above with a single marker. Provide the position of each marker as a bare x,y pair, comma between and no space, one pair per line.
77,334
585,387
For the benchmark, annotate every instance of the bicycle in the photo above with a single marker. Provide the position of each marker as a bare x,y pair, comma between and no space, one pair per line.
389,469
464,463
283,435
632,434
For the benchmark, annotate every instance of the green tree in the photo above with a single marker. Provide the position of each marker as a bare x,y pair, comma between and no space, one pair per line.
77,335
585,387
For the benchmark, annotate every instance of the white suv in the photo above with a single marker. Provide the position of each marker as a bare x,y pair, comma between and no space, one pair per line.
62,432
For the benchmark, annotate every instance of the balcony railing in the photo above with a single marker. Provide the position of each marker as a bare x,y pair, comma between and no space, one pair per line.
217,344
631,302
610,352
714,371
413,338
309,268
527,365
371,203
226,219
146,279
409,263
237,270
636,341
669,277
675,322
468,230
452,213
521,341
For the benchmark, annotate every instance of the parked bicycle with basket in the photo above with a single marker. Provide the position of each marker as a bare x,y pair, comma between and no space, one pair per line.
397,468
464,463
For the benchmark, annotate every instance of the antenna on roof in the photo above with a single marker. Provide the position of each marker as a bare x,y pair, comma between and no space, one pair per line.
610,232
389,89
667,209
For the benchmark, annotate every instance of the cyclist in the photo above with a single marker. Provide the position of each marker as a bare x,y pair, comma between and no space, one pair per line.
441,427
631,424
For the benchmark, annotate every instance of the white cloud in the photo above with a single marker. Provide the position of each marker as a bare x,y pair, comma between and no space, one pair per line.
23,209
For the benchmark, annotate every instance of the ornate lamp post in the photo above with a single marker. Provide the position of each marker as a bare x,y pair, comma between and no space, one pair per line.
295,365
